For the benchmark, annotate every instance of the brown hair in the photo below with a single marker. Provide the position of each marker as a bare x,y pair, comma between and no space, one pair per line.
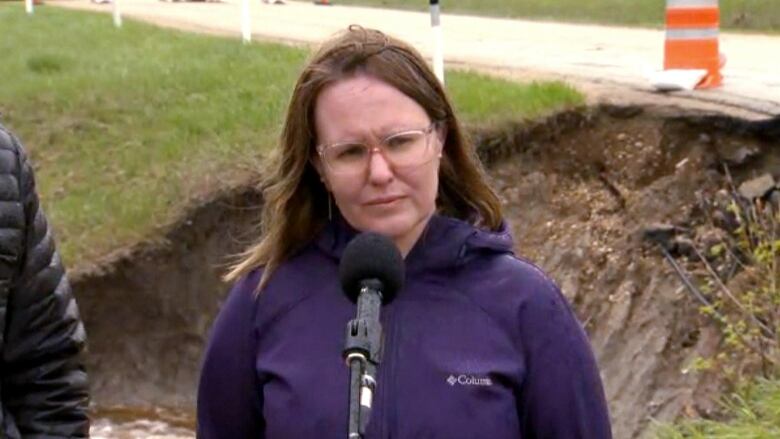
295,200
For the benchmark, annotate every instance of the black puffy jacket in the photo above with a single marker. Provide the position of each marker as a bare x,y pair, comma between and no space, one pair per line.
43,384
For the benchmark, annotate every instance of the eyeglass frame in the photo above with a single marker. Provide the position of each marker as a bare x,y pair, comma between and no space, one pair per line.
427,131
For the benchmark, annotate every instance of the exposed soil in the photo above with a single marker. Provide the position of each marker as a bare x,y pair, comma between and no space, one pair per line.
579,189
580,199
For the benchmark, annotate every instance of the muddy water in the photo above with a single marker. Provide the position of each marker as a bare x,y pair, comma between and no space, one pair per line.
577,189
104,428
141,423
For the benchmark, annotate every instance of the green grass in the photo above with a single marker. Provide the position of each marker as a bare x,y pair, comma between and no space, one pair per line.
126,127
755,15
754,414
480,99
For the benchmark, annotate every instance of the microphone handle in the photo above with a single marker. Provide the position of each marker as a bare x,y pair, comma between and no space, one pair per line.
369,300
368,384
368,305
355,372
362,352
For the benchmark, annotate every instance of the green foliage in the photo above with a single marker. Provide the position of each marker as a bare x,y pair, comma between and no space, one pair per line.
754,410
700,364
747,306
127,126
760,15
744,298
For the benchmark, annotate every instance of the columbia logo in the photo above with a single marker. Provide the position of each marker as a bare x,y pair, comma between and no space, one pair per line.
468,380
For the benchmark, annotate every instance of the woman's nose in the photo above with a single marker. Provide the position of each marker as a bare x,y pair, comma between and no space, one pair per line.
379,170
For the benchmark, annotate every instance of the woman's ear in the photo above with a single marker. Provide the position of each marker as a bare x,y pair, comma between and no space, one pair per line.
320,168
441,136
441,133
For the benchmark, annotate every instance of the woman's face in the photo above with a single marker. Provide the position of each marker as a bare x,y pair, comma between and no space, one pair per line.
384,187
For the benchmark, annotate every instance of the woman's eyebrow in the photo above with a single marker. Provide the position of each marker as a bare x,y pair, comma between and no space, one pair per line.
399,128
382,133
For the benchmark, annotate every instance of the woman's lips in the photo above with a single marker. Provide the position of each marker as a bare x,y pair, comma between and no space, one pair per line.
380,201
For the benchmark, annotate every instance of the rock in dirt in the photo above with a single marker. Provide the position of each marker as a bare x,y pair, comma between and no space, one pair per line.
682,246
725,220
774,198
740,155
661,233
757,187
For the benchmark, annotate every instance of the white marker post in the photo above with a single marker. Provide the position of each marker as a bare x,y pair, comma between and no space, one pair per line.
246,24
117,14
438,41
28,6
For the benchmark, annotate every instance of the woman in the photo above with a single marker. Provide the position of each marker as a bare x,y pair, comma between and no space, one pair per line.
478,343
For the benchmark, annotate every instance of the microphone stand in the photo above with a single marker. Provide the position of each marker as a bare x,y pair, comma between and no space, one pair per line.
362,353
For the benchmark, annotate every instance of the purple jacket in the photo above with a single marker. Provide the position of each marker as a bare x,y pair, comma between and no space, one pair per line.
478,344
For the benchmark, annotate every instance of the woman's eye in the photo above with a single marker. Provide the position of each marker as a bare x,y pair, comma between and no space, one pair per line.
351,151
399,141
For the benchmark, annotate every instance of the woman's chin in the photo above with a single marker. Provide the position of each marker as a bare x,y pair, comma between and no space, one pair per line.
399,229
393,231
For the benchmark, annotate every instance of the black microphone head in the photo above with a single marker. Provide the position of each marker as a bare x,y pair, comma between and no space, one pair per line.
371,256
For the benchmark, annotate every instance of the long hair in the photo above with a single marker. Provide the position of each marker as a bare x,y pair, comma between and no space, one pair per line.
296,204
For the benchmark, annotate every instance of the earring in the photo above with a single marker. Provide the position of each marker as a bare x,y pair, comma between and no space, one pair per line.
330,209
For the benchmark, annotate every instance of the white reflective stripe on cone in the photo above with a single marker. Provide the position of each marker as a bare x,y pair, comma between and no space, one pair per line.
690,3
692,34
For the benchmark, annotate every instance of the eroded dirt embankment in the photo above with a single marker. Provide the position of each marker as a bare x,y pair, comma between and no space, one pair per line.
579,187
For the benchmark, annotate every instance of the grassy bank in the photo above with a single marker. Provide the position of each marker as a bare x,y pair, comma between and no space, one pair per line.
753,15
127,126
754,414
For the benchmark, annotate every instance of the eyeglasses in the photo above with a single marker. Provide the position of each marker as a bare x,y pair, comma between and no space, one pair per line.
403,149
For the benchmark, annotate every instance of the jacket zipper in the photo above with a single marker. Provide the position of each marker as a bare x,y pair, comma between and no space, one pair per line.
388,376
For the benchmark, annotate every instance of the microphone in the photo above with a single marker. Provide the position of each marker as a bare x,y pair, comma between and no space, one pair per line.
371,273
371,256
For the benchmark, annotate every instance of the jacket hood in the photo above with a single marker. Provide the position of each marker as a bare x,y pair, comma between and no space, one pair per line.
445,243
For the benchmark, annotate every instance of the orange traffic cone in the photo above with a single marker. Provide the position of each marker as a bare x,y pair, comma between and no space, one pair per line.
692,28
322,2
